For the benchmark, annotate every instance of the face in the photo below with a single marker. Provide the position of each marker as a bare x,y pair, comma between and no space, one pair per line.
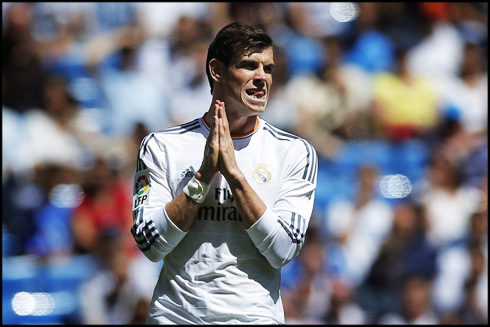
248,81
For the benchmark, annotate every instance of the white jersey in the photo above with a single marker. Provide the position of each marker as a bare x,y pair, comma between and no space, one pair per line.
218,271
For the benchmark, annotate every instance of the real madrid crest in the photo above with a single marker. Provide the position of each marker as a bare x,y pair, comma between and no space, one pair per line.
261,175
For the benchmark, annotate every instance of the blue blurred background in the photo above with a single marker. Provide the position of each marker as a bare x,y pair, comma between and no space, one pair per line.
393,96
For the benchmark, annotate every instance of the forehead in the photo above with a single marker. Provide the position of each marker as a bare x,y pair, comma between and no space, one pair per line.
265,56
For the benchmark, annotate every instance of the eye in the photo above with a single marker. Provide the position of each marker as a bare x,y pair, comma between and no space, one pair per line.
269,69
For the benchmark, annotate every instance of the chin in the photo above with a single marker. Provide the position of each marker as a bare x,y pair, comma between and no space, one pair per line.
255,106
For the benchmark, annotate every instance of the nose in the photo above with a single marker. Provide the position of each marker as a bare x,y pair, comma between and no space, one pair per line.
260,75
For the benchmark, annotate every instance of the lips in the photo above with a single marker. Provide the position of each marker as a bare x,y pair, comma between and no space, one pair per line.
256,94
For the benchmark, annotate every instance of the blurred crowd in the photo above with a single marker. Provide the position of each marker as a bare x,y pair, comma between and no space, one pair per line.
83,83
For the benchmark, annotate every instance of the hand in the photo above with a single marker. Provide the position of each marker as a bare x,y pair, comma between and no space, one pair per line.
210,163
227,161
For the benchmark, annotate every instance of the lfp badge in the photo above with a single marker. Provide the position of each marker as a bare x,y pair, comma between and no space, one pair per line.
141,188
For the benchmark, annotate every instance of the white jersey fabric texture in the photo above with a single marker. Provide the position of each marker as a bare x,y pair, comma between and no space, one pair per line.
218,272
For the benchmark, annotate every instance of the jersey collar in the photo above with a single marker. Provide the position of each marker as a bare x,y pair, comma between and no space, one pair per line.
257,123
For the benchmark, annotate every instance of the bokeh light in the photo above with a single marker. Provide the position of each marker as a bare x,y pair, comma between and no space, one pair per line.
395,186
344,11
66,195
34,304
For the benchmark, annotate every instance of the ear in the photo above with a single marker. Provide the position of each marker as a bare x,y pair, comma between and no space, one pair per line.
216,69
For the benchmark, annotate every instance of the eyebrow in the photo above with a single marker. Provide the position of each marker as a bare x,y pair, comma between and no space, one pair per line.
248,61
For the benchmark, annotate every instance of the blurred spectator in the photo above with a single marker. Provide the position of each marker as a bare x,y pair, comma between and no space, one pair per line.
131,95
447,203
304,53
17,214
403,22
467,96
479,228
438,55
123,151
470,18
331,102
59,132
405,105
314,19
65,38
53,25
21,66
106,205
367,46
188,35
461,292
474,307
460,286
307,298
191,90
20,198
343,308
56,135
357,228
405,252
417,307
12,127
159,18
52,219
166,53
121,287
463,135
52,21
470,151
475,165
113,15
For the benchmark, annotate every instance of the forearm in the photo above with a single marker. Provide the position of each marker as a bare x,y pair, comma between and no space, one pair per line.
183,209
250,206
279,240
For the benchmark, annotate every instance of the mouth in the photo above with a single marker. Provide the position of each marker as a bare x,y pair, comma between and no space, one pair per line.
258,95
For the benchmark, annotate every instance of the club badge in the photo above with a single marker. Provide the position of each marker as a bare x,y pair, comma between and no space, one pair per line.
261,175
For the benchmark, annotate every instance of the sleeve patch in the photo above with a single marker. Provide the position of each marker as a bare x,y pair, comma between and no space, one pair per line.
141,188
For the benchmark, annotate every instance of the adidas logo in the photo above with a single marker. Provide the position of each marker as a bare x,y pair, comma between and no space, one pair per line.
189,172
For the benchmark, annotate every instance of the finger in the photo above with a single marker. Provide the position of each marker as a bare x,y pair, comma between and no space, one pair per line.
224,116
215,132
223,108
221,130
216,108
217,123
225,141
212,130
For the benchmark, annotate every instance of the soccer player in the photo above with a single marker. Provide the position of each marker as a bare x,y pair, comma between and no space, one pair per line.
224,200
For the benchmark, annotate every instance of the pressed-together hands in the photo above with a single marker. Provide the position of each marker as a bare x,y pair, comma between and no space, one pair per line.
219,155
219,152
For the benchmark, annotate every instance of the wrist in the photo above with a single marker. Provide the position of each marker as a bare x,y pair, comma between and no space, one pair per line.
197,190
236,180
203,177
